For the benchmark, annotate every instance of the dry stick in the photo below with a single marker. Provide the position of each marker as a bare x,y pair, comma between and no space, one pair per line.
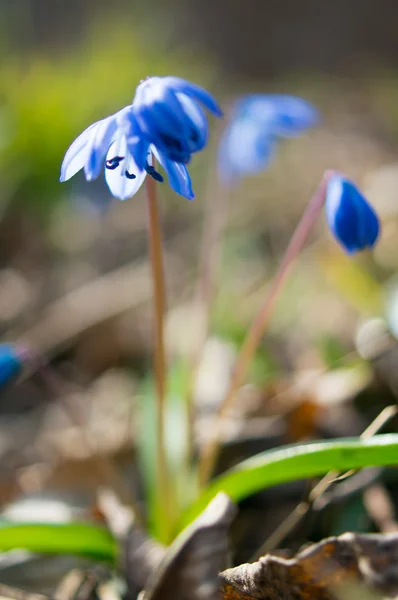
386,414
294,518
159,293
256,330
380,508
10,593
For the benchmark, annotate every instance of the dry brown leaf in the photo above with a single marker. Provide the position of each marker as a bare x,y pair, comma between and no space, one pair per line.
314,572
190,569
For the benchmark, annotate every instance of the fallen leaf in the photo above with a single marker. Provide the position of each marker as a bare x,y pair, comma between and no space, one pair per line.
190,568
316,572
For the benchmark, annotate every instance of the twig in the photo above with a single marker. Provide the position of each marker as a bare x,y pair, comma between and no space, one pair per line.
316,493
77,585
10,593
380,508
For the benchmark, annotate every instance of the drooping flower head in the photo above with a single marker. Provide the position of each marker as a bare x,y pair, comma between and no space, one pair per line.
115,142
165,119
350,217
169,113
257,122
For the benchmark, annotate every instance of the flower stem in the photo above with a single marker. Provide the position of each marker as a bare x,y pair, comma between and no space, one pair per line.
256,330
159,292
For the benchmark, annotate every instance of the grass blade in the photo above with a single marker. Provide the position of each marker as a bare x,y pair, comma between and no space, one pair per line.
294,462
80,539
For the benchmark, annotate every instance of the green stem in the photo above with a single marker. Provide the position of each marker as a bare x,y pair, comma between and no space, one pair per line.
260,322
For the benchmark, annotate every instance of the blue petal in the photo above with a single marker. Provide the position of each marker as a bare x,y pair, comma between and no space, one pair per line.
137,143
158,110
280,114
244,149
199,124
120,185
138,148
99,146
295,115
76,155
10,362
195,91
350,217
248,143
178,174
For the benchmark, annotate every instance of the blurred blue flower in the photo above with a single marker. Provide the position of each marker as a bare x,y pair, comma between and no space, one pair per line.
169,113
350,217
11,362
257,122
118,143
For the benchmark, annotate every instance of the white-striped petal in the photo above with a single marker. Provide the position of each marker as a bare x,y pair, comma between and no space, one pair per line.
77,154
121,186
100,142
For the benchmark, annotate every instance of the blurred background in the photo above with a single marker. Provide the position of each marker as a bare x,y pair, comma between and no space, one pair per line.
74,279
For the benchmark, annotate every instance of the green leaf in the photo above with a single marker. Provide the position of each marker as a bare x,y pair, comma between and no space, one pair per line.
161,517
298,461
147,455
81,539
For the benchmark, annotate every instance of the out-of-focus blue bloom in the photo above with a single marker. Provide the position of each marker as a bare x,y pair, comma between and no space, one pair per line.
11,362
350,217
169,113
118,143
249,141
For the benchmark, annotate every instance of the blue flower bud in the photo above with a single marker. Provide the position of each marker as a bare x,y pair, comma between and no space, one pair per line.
350,217
11,362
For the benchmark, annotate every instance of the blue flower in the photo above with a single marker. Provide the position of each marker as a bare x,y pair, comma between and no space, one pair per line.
249,141
118,143
350,217
11,362
169,113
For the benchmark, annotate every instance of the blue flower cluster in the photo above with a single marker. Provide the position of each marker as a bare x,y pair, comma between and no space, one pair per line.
166,119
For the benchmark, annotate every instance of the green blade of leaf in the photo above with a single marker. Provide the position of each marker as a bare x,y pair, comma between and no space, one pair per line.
80,539
298,461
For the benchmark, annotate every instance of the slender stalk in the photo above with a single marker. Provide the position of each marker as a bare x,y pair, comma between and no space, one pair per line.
256,330
159,293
